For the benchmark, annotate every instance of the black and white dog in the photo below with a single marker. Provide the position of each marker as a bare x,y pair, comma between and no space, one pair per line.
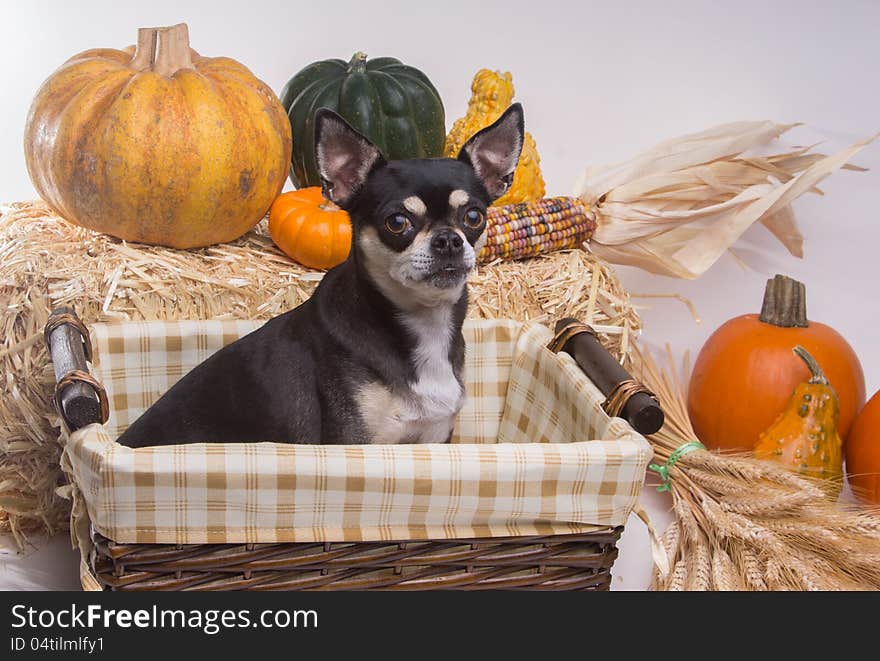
376,354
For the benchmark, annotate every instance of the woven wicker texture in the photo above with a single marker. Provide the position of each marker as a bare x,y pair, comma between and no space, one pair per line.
558,562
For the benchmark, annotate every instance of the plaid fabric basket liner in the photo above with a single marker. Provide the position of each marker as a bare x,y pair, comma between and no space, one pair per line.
532,454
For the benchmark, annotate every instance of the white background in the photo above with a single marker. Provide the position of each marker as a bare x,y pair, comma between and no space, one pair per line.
599,82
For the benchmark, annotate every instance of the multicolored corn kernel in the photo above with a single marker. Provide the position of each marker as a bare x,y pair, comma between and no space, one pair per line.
527,229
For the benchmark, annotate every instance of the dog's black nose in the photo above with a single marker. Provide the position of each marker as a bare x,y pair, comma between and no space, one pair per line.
447,243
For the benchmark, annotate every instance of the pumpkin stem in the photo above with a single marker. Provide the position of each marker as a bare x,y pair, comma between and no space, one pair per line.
816,373
145,50
163,50
785,303
357,63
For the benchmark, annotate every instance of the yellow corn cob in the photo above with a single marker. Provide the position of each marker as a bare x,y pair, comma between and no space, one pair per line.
522,230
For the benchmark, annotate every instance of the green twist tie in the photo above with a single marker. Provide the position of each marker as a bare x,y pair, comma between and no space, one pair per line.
663,471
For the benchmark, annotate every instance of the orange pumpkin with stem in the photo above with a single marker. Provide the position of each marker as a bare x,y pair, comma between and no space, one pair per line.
309,229
863,453
158,144
746,372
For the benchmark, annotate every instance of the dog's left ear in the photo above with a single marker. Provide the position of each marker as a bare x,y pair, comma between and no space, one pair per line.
344,156
494,151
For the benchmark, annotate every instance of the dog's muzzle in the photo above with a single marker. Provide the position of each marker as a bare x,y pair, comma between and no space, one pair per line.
447,244
452,259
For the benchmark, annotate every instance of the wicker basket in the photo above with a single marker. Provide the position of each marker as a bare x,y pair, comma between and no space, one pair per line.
554,562
539,548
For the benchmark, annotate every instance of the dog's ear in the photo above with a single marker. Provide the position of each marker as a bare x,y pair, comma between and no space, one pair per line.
494,151
344,156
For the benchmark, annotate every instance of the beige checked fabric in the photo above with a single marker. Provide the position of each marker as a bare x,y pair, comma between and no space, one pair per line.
532,453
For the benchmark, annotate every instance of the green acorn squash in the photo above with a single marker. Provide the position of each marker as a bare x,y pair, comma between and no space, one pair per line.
392,104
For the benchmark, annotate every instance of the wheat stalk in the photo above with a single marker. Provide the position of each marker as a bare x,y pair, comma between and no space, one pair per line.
743,523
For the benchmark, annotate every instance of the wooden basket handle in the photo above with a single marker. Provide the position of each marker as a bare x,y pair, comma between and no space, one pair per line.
79,398
625,397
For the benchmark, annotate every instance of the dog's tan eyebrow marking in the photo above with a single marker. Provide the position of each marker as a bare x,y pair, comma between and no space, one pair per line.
414,204
457,198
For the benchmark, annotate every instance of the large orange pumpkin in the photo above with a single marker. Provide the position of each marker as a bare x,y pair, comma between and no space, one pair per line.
309,229
863,452
745,373
157,144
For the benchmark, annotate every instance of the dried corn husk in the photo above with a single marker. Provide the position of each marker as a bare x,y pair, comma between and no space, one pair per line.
46,262
742,523
676,208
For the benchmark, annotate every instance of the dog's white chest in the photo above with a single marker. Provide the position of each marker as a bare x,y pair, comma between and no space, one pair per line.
435,386
425,414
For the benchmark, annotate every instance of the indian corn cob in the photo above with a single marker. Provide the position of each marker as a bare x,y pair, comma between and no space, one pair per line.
526,229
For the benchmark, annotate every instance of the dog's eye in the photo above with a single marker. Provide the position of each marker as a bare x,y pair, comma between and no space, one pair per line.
397,223
473,218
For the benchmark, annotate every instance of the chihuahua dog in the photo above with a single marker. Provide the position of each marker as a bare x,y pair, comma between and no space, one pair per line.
376,354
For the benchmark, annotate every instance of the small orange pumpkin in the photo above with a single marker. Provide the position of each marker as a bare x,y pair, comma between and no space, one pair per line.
863,453
309,229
